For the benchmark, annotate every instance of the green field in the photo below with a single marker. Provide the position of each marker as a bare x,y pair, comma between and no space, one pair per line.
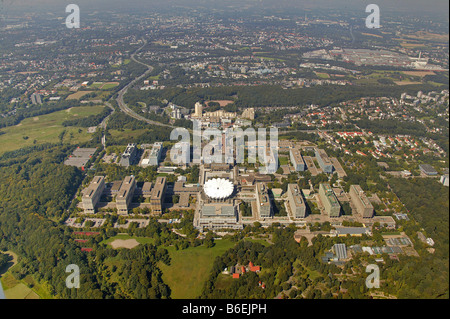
284,160
189,268
46,129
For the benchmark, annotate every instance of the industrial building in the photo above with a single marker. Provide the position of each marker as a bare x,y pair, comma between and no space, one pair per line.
329,200
359,199
263,201
157,197
93,193
129,156
125,194
297,160
296,202
80,157
427,169
323,160
340,251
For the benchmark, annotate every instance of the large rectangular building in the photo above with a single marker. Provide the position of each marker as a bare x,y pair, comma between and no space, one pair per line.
297,160
329,200
323,160
427,169
296,202
181,153
218,216
263,201
363,206
129,156
125,194
157,196
93,193
155,154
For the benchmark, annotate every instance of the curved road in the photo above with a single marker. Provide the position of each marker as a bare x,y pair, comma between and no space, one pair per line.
124,107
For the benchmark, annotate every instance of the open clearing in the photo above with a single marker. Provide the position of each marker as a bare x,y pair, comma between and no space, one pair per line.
46,129
189,268
78,95
127,243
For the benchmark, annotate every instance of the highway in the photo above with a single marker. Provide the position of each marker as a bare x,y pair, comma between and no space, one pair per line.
124,107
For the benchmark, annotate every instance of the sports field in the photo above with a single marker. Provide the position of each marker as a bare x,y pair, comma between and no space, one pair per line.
47,129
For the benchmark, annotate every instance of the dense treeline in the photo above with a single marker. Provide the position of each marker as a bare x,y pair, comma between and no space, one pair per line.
429,206
37,187
89,121
392,126
120,121
271,95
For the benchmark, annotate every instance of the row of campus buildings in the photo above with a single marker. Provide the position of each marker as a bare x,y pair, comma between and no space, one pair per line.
123,192
299,163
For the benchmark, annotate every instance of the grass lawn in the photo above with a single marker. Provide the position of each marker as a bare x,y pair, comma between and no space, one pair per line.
20,292
46,129
190,268
284,160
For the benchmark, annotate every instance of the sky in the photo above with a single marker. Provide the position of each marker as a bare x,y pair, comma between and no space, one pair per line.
428,6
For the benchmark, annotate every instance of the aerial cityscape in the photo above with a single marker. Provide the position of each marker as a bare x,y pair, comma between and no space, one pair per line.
195,149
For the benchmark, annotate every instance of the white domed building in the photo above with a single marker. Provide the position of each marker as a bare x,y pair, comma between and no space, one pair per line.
218,189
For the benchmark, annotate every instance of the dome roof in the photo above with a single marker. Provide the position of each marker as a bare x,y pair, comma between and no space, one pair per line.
218,188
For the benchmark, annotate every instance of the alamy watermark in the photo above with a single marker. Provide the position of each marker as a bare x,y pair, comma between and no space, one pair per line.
73,280
73,19
373,19
227,146
373,280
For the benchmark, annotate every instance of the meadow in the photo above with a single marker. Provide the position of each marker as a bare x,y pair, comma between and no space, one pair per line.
47,129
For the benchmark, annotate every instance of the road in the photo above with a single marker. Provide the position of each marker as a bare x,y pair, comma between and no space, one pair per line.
124,107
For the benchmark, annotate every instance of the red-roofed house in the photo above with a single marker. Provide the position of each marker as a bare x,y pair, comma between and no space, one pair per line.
235,276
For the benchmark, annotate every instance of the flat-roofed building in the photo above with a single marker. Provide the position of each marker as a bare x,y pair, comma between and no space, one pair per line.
129,156
340,251
147,189
323,160
155,154
125,194
93,193
329,200
296,202
216,216
427,169
263,201
181,153
297,160
157,196
363,206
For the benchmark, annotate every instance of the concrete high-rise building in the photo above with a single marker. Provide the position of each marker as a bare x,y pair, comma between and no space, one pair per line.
92,194
129,156
155,154
157,195
263,201
329,200
248,113
125,194
323,160
361,202
297,160
296,201
198,110
181,153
